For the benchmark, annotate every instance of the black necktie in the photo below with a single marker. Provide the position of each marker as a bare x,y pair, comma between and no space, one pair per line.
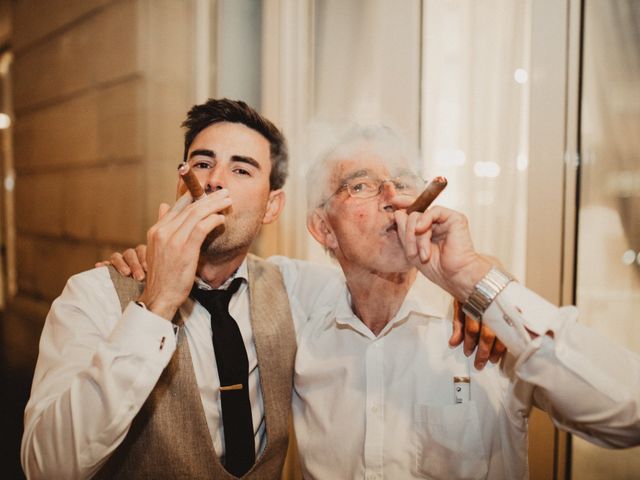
233,371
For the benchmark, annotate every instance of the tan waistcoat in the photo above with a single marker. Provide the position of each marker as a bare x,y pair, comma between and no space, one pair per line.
169,438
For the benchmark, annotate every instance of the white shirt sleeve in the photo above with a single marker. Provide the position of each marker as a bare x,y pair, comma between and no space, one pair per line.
589,385
96,367
312,288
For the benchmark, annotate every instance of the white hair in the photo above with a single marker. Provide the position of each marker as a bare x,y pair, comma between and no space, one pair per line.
377,139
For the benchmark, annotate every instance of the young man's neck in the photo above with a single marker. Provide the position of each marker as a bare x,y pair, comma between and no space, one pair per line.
376,297
215,273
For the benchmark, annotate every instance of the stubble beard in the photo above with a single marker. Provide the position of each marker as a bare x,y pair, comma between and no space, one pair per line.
224,244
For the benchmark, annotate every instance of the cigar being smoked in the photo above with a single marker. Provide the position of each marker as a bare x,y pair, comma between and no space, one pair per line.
191,181
429,194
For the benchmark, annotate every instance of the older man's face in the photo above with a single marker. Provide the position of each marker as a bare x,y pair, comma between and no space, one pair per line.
364,228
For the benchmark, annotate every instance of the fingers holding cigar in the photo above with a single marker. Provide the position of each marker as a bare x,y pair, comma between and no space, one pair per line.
185,210
184,227
417,241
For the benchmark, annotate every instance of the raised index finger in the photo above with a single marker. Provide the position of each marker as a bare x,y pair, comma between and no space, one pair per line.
433,216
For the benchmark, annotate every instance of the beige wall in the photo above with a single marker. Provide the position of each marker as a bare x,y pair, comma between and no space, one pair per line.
5,22
100,88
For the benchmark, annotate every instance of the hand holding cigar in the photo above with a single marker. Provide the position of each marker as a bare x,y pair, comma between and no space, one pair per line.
191,181
433,189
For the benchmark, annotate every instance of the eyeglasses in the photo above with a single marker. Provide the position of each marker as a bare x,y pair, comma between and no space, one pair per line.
366,187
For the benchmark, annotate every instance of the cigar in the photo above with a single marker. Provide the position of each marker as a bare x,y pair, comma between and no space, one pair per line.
191,181
429,194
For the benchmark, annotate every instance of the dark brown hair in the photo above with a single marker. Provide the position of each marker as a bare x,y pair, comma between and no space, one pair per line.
236,111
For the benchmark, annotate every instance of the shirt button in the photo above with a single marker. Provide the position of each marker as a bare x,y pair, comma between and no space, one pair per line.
375,409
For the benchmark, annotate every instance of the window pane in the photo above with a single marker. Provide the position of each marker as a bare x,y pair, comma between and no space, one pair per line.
608,275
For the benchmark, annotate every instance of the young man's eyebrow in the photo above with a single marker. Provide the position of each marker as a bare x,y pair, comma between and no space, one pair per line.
248,160
235,158
204,152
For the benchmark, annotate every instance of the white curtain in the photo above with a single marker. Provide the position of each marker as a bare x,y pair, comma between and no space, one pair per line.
475,117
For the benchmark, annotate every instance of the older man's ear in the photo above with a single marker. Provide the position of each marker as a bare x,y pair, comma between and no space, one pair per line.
320,229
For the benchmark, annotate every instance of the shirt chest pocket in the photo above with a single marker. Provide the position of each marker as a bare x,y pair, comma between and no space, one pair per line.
448,442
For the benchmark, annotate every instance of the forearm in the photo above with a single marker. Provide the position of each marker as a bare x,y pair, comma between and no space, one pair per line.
82,403
592,396
587,384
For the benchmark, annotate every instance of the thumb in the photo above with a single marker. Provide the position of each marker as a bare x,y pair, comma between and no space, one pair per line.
400,217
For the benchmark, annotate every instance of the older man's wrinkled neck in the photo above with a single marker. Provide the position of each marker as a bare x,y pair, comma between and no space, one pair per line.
376,297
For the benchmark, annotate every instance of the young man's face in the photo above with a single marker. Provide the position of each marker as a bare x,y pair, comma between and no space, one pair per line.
363,229
235,157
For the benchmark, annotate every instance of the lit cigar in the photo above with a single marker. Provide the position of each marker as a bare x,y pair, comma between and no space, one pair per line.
191,181
429,194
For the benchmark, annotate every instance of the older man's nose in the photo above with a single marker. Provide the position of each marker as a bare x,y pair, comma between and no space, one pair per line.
388,191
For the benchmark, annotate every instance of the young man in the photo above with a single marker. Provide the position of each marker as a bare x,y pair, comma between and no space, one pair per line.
137,390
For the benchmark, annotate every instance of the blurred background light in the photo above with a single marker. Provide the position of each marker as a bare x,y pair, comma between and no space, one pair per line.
486,169
5,121
522,162
629,257
520,75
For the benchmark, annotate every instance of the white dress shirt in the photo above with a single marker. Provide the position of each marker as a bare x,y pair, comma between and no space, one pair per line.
589,385
97,366
368,407
371,407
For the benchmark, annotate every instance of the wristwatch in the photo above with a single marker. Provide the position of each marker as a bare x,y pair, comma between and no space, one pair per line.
485,291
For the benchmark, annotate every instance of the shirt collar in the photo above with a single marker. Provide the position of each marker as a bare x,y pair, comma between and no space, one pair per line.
424,299
241,272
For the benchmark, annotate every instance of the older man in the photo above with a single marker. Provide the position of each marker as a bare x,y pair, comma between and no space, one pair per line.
378,392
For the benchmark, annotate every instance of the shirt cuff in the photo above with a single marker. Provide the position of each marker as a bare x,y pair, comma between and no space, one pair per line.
142,331
515,313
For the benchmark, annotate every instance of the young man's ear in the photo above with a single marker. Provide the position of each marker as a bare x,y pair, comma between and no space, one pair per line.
320,229
275,204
